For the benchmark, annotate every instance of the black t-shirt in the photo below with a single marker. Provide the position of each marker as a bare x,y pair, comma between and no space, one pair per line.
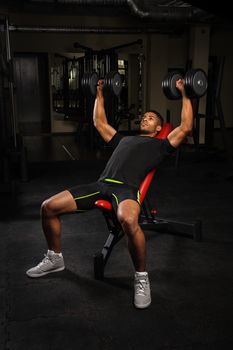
134,157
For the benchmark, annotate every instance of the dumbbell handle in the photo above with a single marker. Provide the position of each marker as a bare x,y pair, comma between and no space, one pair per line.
116,83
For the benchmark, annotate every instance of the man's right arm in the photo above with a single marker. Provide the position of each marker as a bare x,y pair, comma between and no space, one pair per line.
177,136
99,116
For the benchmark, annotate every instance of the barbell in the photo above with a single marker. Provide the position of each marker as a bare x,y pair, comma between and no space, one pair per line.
112,83
195,84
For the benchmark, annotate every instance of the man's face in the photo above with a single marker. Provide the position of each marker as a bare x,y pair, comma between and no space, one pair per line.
150,124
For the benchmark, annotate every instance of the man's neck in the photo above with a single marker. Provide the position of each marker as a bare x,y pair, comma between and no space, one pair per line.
148,135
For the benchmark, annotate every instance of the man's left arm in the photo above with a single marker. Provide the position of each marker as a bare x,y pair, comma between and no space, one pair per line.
177,136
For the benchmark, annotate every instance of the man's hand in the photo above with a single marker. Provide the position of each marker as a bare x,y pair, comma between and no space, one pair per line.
100,86
180,87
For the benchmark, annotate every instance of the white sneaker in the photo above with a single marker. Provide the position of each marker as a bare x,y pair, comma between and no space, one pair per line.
52,262
142,294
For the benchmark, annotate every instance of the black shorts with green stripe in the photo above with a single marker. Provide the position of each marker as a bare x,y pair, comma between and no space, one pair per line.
114,191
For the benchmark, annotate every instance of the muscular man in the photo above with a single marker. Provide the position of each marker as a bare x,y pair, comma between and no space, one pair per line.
132,159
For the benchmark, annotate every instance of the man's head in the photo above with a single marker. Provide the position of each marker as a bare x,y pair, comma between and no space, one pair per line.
151,123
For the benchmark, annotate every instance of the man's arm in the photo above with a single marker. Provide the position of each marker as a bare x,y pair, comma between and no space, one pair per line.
177,136
99,116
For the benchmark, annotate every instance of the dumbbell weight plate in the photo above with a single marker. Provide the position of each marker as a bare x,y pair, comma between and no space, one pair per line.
113,83
93,83
169,85
107,83
195,83
116,84
89,83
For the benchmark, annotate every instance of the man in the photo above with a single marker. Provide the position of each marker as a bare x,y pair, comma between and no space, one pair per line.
132,159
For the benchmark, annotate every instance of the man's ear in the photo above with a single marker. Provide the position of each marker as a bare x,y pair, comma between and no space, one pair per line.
158,128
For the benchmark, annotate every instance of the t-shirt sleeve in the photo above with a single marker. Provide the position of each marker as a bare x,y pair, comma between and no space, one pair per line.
166,147
115,140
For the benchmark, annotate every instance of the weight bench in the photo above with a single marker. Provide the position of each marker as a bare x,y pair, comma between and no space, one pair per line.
147,220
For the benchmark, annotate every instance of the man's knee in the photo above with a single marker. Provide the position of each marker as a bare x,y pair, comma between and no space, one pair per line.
128,222
47,208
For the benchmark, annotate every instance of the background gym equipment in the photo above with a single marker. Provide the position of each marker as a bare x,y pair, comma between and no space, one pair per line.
13,159
215,110
195,84
112,83
73,83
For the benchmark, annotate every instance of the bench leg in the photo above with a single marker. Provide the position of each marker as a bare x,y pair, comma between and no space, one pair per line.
179,228
101,258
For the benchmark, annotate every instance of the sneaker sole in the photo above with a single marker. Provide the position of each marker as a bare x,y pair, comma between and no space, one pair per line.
142,306
45,272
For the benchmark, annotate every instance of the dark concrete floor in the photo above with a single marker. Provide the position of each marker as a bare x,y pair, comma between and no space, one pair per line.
192,282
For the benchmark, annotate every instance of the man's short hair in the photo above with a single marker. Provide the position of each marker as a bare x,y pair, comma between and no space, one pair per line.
157,115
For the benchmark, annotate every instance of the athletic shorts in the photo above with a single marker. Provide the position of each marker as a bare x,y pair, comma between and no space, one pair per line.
86,195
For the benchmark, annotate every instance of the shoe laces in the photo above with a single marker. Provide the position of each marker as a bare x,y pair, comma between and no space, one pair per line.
141,285
45,260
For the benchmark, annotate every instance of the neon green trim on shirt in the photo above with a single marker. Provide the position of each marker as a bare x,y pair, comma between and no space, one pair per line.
114,181
138,197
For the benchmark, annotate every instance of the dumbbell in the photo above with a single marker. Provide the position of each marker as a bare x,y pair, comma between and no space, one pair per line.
112,83
195,84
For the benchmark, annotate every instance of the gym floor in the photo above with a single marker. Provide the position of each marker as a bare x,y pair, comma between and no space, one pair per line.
192,285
